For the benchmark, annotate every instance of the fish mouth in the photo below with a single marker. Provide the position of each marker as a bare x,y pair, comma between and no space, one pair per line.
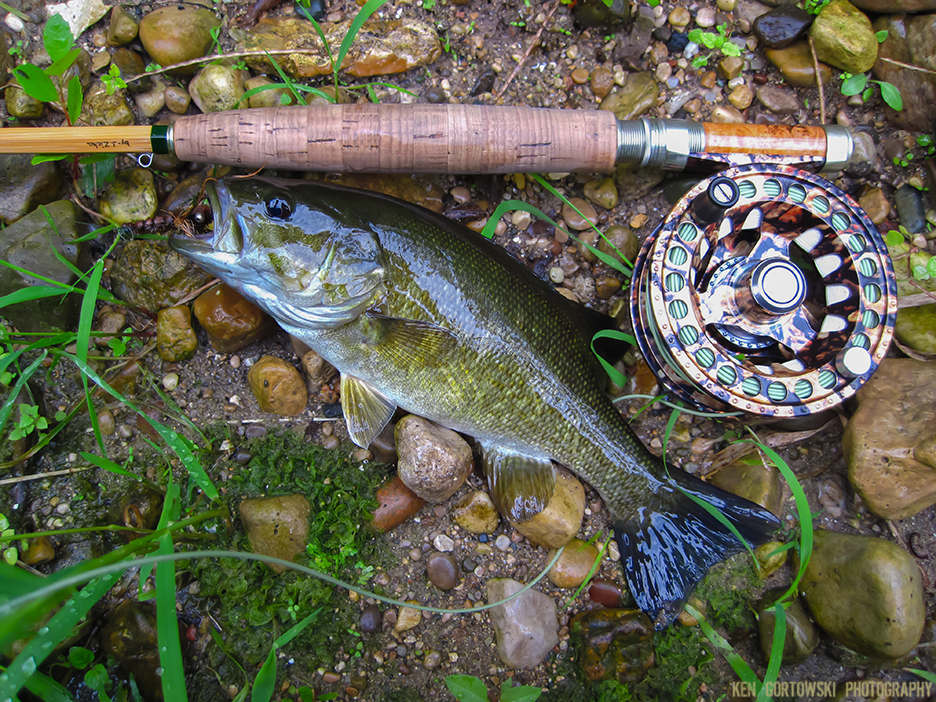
217,248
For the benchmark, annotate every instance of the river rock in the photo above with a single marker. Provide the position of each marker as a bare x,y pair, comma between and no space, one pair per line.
777,100
865,592
617,644
476,513
607,593
395,504
150,276
277,526
23,187
601,192
560,521
802,637
175,338
746,12
122,28
635,182
843,37
130,198
889,441
755,481
178,32
317,371
619,241
443,570
278,387
633,99
381,47
21,105
177,99
37,551
230,319
407,618
103,110
131,63
418,188
631,50
884,7
573,565
597,13
526,627
579,222
782,26
874,202
129,635
273,97
910,208
371,619
216,88
32,244
433,461
916,328
796,66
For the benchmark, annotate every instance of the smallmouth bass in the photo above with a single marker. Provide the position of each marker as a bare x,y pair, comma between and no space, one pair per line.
419,312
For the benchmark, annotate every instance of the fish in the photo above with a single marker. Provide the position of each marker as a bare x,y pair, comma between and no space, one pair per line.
418,312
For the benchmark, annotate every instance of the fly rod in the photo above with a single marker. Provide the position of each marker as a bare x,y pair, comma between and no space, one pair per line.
442,139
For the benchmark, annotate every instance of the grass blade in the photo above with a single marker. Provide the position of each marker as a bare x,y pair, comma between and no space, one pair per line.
85,320
265,682
370,7
737,663
109,465
776,652
170,649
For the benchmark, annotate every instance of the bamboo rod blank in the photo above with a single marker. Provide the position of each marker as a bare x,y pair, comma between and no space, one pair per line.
76,140
407,138
776,139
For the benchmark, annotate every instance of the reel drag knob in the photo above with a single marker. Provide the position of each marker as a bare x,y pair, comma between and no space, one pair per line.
766,289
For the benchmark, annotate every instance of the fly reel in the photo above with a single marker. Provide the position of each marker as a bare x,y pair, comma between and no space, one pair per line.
767,289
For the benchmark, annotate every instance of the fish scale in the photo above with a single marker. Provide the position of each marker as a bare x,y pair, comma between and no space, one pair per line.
419,312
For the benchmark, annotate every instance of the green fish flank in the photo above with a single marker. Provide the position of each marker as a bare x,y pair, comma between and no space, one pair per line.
421,313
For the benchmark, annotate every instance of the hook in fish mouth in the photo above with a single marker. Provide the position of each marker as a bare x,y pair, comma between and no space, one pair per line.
219,244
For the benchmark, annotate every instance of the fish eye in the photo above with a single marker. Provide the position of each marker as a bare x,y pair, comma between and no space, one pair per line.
278,207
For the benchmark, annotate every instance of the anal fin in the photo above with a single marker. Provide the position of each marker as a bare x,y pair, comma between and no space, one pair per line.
520,484
366,409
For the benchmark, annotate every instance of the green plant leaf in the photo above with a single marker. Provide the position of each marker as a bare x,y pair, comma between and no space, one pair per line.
854,84
891,95
57,37
74,99
466,688
730,49
264,684
108,464
63,64
520,693
893,238
925,674
931,267
881,36
36,83
80,657
695,36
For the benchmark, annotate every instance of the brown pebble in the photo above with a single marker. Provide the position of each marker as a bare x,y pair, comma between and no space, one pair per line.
708,80
602,81
331,442
443,570
331,677
580,76
371,619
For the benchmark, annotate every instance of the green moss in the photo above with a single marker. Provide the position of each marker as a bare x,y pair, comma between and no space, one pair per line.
251,603
729,591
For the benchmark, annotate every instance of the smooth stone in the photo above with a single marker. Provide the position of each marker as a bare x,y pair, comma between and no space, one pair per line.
635,182
616,644
278,387
177,99
606,286
433,461
601,81
573,565
631,50
910,208
796,66
723,114
601,192
865,592
131,63
149,104
778,100
23,186
606,593
443,570
730,67
916,328
176,33
150,276
706,17
216,88
596,13
371,619
396,503
175,338
526,627
407,618
122,28
33,244
277,526
770,557
130,198
38,551
888,441
382,48
884,7
802,636
128,635
560,521
576,221
782,26
874,202
864,155
843,37
679,17
620,242
103,110
274,97
21,105
756,482
746,12
741,97
633,99
476,513
231,320
432,660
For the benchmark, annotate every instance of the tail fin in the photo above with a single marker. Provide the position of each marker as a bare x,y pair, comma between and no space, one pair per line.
671,544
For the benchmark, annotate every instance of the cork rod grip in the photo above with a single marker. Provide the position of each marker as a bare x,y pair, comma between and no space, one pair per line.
776,139
402,138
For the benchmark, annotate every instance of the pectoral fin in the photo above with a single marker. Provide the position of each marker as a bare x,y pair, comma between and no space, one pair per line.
521,485
407,341
366,409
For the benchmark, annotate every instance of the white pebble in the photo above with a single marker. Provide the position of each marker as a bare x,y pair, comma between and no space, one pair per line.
14,23
443,542
170,381
503,542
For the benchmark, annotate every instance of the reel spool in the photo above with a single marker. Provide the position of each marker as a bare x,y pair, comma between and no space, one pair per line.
767,289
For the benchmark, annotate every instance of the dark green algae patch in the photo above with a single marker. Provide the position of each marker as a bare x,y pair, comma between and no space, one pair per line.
250,603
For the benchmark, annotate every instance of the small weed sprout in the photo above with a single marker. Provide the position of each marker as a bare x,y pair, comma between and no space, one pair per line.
10,554
38,83
860,83
717,42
